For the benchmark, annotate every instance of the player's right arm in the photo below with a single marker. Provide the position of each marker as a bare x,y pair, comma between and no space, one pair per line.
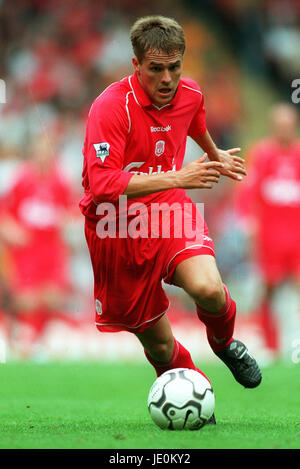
104,149
196,175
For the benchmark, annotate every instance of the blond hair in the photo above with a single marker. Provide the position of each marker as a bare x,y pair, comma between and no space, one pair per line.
160,33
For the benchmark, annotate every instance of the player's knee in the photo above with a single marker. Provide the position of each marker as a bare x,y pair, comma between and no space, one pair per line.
209,295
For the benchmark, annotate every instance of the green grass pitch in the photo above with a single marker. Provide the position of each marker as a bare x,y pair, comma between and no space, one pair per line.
97,406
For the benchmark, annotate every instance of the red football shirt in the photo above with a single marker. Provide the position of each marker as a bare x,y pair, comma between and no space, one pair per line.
126,134
271,193
39,204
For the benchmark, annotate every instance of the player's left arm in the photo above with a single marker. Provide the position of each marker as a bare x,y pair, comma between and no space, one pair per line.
233,165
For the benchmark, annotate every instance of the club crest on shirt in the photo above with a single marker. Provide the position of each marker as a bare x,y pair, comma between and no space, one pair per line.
102,150
159,147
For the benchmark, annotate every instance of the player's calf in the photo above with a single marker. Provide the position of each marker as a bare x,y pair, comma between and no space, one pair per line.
161,351
219,324
180,358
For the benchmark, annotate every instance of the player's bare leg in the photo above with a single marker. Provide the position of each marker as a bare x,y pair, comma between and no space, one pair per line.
200,278
158,340
162,350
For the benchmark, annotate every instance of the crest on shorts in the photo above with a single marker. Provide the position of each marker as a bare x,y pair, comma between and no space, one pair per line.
102,150
159,147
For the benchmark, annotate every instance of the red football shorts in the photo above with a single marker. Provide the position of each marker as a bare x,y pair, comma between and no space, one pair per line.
128,272
278,257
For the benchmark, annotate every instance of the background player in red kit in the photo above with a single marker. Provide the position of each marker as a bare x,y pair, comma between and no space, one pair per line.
269,204
34,215
134,146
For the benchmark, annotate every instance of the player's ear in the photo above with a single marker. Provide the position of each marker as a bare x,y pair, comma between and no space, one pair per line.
135,64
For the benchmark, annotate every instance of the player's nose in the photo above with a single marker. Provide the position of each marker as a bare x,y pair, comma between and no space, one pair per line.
166,77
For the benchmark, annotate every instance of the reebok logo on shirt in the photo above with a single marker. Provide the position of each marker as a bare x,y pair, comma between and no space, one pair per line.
102,150
161,129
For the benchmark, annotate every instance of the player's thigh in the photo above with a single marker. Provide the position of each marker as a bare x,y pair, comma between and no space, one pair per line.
158,338
200,278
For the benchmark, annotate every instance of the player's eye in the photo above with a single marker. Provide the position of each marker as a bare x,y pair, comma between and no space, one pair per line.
173,67
154,68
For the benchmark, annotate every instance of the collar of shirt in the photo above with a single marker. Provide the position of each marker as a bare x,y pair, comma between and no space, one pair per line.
143,99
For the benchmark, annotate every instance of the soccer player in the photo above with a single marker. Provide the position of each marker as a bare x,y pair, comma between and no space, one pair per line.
269,205
133,150
34,212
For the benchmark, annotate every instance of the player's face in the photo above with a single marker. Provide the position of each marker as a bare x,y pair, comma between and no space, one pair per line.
159,74
284,121
41,153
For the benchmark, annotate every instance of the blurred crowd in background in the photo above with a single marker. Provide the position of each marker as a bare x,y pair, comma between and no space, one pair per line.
55,59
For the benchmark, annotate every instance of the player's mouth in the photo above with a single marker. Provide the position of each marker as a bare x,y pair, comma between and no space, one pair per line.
165,92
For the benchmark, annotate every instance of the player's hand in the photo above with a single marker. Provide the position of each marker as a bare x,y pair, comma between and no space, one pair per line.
233,165
200,174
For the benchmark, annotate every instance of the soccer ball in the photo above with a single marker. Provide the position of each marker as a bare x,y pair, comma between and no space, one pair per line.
181,399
